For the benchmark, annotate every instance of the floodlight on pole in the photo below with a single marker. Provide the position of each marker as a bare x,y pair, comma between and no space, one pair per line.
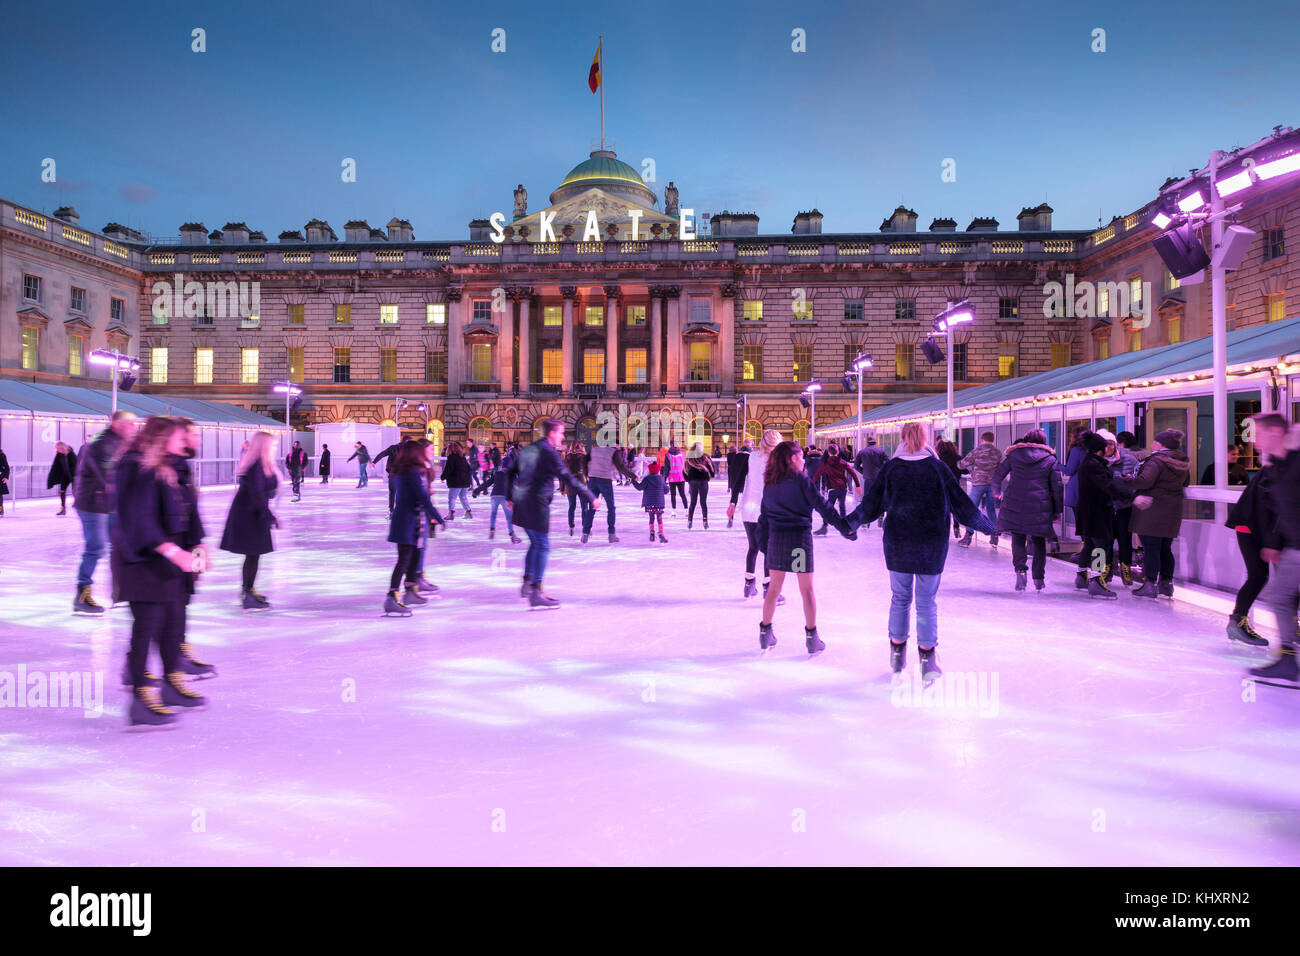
857,369
811,390
955,313
289,391
124,368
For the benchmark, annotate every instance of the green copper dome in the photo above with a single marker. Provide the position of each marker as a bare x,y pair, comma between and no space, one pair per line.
605,171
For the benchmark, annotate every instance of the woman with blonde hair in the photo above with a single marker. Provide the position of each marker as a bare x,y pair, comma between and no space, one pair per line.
157,554
751,504
920,497
249,523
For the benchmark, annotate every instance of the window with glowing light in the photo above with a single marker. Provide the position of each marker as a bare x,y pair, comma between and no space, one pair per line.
435,366
248,366
594,315
801,431
752,310
1175,329
77,355
593,366
1135,340
342,314
293,360
1009,362
388,314
754,430
435,313
481,362
158,366
1060,354
1276,307
634,365
803,310
297,315
552,366
553,316
903,362
31,348
701,362
802,366
388,365
636,315
203,366
752,356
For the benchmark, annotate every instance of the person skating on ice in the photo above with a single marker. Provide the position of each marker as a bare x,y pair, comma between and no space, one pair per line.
575,459
674,472
1251,518
652,488
62,471
834,474
535,472
94,495
296,464
158,553
250,520
1031,502
362,455
4,480
457,475
698,469
920,498
1123,464
737,472
325,465
406,528
604,463
428,476
1281,549
389,457
500,483
1094,515
1158,510
980,462
750,503
785,527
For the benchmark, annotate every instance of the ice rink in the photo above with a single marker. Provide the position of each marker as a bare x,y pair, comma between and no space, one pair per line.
638,723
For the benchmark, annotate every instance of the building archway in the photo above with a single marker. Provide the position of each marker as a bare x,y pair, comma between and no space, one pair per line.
480,430
585,431
538,430
434,433
801,431
700,429
754,431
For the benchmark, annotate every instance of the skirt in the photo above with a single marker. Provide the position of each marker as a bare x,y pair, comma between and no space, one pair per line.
790,549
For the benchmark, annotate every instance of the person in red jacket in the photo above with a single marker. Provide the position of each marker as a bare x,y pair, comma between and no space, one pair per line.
836,473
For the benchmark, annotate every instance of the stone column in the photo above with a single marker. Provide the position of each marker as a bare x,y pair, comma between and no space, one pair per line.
727,338
525,377
673,295
455,341
505,343
612,302
656,338
566,371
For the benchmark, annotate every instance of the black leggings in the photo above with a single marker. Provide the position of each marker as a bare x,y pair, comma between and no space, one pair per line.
1157,558
1125,536
1256,574
751,556
574,498
700,493
405,567
675,488
1091,545
162,623
250,570
1020,553
63,496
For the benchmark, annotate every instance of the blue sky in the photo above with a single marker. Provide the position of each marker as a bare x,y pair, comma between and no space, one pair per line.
146,132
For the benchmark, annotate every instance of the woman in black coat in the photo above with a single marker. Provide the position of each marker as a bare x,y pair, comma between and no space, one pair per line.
249,523
406,528
157,553
535,472
1031,502
62,470
950,455
699,469
325,465
457,473
1095,517
4,480
919,497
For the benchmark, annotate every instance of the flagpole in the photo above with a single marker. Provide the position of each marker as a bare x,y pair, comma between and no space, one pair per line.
600,67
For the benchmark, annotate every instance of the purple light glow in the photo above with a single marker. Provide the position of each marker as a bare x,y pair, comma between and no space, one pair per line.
288,390
1191,202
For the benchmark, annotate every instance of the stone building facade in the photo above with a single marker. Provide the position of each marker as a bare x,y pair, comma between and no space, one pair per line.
597,301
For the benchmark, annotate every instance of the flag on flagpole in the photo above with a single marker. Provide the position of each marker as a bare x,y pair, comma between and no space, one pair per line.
593,75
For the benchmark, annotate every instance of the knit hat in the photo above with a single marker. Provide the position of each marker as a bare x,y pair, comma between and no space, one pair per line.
1170,438
1107,434
654,467
1092,442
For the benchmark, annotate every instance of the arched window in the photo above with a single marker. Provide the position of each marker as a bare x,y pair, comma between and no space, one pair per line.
700,429
586,431
537,427
480,430
434,434
801,431
754,430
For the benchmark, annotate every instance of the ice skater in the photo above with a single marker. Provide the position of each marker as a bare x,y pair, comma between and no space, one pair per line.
834,474
62,471
325,465
4,480
94,495
697,470
604,463
737,472
1281,549
750,503
406,527
575,459
1094,516
1158,510
980,463
500,483
535,472
426,588
362,455
919,497
250,520
1031,502
1251,518
785,525
296,463
674,471
158,551
652,488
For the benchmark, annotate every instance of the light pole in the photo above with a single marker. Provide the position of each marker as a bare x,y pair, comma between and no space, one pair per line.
124,366
857,369
953,314
289,391
809,399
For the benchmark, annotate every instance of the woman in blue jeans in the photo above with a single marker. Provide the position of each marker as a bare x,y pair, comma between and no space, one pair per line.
919,496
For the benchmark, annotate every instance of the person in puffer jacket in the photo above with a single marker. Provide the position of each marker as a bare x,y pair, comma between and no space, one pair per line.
981,463
750,506
502,484
652,488
1280,540
1031,501
1123,464
1158,510
834,474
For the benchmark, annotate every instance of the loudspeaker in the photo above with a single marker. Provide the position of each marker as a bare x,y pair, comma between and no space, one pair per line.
933,353
1182,251
1233,248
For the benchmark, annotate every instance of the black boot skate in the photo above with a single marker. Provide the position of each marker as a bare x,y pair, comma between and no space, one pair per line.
897,656
1165,588
428,589
662,539
613,538
1126,574
526,586
966,541
149,679
492,533
929,664
751,588
147,709
1021,580
1239,629
174,693
537,598
252,601
585,536
393,606
85,604
514,538
1097,588
814,643
1081,580
192,666
1148,589
780,598
766,639
413,597
1284,670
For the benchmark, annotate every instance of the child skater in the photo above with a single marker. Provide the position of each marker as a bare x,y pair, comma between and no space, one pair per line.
785,524
652,488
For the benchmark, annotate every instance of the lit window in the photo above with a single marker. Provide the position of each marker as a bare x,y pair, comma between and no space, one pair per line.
1135,340
853,310
32,288
636,315
753,361
435,366
342,315
31,348
1060,354
76,355
593,365
754,430
1008,364
634,360
1135,295
388,365
553,315
1175,331
159,312
480,430
247,366
701,362
904,310
435,313
552,366
1008,307
481,362
1171,283
594,315
343,365
1103,348
1103,299
752,310
388,315
293,359
803,310
158,366
78,299
902,362
203,366
802,368
297,315
1276,307
801,431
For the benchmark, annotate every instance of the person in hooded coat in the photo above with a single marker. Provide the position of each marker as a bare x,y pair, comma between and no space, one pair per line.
1031,501
1158,510
324,466
250,520
63,469
1098,490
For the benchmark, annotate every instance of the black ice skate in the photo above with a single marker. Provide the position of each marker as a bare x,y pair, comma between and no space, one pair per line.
526,586
1283,671
706,524
993,541
652,534
1081,580
897,656
85,604
537,598
570,531
751,587
662,539
176,694
1165,588
1239,629
514,538
1097,588
193,666
823,530
766,639
427,588
492,533
252,601
1039,584
147,709
149,679
613,538
929,664
966,541
393,606
585,536
1126,574
1021,580
1148,589
413,597
780,598
814,643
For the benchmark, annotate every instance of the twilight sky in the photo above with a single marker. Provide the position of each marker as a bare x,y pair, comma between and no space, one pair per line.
148,133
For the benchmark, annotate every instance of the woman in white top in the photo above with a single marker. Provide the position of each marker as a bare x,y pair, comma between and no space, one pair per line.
641,464
751,503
